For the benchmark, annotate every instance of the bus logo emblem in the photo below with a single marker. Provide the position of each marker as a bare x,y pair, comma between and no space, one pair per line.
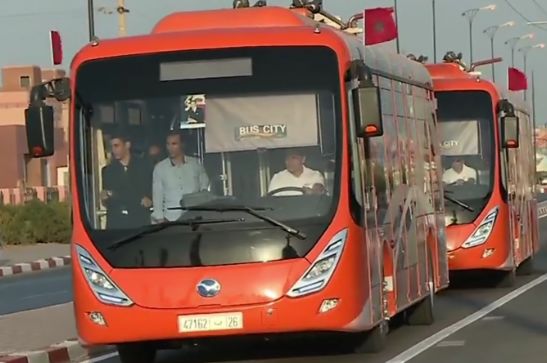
208,288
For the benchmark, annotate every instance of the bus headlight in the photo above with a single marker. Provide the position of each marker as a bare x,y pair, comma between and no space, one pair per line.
481,234
318,275
104,289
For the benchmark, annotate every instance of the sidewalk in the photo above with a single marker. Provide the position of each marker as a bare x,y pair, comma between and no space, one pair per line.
22,259
22,335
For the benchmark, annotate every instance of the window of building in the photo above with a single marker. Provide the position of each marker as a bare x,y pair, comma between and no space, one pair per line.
24,81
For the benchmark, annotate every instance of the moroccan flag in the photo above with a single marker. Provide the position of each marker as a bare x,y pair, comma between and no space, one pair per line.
379,25
56,47
516,80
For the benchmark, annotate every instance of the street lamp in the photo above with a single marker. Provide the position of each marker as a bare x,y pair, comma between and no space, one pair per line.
525,51
470,15
491,32
434,31
90,19
512,42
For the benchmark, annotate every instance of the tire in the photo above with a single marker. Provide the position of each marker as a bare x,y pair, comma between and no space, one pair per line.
136,353
423,312
373,341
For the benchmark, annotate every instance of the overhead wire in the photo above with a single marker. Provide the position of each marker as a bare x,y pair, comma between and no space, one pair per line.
540,7
524,16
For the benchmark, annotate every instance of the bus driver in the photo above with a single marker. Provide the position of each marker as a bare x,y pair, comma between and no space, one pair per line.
297,175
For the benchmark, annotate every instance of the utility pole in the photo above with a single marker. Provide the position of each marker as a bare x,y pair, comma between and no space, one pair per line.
434,32
91,20
533,101
122,24
397,25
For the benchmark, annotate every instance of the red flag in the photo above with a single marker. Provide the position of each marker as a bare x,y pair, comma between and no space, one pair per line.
379,25
516,80
56,47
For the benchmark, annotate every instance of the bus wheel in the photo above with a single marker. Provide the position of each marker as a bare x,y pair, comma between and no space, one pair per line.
423,312
373,341
136,353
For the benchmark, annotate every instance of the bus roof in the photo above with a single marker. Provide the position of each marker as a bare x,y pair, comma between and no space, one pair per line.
261,21
454,72
274,16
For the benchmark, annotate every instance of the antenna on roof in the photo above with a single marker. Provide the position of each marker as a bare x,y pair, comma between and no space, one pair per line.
421,59
452,57
240,4
314,6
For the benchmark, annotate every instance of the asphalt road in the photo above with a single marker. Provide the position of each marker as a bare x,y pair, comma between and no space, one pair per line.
35,290
513,332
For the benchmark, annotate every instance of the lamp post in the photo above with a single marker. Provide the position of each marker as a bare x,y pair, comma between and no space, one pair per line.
470,14
491,33
512,42
434,31
397,24
91,20
525,51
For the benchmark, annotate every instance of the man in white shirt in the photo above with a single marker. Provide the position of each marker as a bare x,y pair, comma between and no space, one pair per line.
459,173
297,175
173,177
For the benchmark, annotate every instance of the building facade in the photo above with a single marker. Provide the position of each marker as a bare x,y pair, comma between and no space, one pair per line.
18,169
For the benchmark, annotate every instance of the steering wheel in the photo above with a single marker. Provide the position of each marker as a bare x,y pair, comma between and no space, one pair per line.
286,189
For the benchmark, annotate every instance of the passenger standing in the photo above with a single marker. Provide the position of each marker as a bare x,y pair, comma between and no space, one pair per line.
126,189
173,177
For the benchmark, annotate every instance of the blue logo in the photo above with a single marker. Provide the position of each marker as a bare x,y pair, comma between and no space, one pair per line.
208,288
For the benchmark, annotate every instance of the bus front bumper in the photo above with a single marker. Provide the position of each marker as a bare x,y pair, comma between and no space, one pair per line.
100,324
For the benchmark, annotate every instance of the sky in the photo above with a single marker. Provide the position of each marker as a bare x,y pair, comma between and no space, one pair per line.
24,27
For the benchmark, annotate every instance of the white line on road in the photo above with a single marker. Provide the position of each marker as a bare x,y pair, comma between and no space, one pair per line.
443,334
100,358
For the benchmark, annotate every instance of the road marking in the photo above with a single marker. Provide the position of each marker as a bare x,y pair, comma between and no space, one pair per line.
446,332
101,358
493,317
451,343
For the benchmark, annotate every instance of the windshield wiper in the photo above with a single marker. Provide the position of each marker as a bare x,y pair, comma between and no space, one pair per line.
458,202
193,222
249,210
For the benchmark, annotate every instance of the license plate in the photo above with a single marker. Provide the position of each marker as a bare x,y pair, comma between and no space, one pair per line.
209,322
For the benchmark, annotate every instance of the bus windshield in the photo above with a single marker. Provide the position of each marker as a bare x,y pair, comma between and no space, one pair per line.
467,144
160,136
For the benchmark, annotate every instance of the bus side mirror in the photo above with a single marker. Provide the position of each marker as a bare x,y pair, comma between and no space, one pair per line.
40,130
368,111
510,132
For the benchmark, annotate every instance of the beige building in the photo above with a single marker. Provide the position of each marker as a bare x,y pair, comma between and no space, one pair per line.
17,167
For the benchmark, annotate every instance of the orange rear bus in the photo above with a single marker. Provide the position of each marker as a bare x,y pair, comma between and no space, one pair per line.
240,102
488,173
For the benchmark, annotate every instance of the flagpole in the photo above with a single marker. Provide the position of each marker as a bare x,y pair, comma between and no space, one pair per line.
533,101
397,24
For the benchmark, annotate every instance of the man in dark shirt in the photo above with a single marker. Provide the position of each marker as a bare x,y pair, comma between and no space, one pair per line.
127,187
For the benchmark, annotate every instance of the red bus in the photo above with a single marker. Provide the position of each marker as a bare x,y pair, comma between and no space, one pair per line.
488,171
293,198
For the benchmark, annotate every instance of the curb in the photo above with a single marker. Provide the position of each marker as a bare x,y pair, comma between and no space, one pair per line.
66,352
38,265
